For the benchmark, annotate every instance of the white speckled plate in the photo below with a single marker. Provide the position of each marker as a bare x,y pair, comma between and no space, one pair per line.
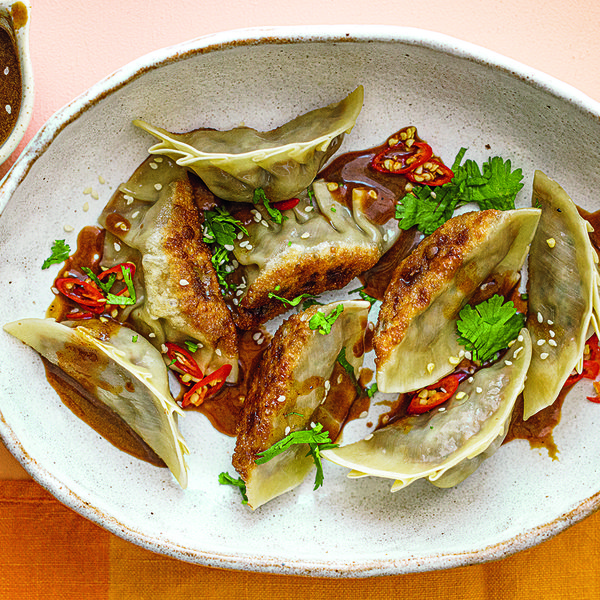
457,95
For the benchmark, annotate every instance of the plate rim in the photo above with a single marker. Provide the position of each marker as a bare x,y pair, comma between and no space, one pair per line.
43,139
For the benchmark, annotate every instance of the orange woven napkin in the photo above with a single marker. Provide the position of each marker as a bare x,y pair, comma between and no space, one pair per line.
49,551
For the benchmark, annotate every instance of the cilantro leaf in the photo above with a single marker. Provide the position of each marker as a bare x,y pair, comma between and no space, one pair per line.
124,300
324,323
488,327
294,302
341,358
60,253
317,440
220,227
494,185
191,346
227,479
274,214
104,286
372,390
364,295
311,302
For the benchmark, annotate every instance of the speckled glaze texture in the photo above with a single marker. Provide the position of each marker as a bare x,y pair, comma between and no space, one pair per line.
457,95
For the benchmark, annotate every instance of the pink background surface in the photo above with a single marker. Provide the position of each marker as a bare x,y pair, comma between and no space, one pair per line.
75,44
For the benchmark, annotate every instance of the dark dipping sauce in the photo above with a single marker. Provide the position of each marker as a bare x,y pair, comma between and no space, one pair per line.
10,83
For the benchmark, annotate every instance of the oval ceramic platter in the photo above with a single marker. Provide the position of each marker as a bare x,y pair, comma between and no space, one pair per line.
457,95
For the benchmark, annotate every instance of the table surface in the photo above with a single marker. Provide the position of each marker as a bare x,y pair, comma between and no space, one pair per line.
73,45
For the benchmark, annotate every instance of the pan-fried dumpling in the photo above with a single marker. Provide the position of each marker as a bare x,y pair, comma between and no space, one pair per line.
155,213
415,340
287,391
129,377
563,294
282,162
321,244
449,442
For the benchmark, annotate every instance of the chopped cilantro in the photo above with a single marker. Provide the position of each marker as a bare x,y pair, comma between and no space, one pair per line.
495,185
124,300
324,323
134,338
372,390
364,295
317,440
221,228
274,214
104,286
191,346
311,302
341,358
294,302
227,479
488,327
60,253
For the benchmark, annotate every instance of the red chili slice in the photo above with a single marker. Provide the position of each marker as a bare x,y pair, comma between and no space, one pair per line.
402,157
441,391
206,387
285,204
431,172
117,270
181,360
79,316
83,292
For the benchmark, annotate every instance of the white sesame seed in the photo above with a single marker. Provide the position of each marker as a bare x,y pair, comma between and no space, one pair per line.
158,159
184,282
153,165
6,71
363,415
256,335
228,247
460,395
518,351
151,335
340,378
163,348
68,228
520,338
263,222
218,352
235,301
239,292
508,363
136,214
305,235
242,244
478,390
55,291
441,409
281,398
308,208
541,342
327,385
551,242
369,437
101,179
88,190
468,355
540,318
95,195
287,430
249,247
552,333
550,322
453,360
158,187
8,108
544,355
86,206
259,341
461,353
552,343
240,235
470,380
430,368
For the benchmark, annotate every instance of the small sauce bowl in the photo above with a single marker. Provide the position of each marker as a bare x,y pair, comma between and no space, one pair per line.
16,77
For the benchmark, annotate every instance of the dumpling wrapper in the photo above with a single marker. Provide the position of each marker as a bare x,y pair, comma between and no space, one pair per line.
128,377
310,252
180,298
287,390
416,331
283,161
446,444
563,294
